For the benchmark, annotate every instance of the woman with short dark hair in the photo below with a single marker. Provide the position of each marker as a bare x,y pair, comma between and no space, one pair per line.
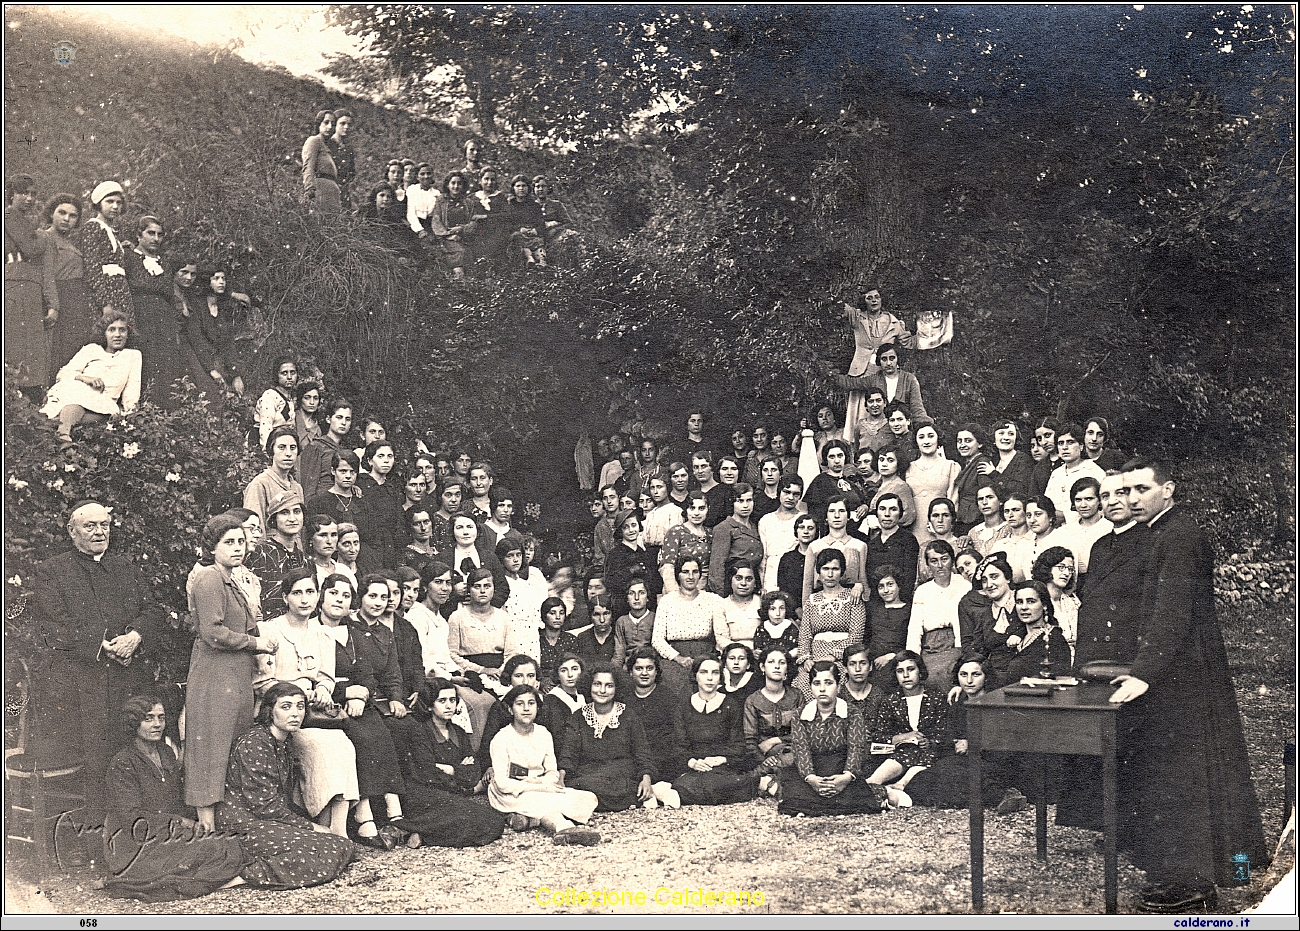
454,222
605,750
913,719
287,850
155,852
212,330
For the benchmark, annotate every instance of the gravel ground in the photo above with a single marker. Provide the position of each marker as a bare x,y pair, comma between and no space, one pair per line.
909,861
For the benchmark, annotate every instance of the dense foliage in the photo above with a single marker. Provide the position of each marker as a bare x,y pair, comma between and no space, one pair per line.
736,174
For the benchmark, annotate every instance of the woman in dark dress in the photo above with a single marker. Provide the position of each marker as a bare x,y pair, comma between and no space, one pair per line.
562,702
655,705
913,719
441,777
214,322
887,621
605,749
155,852
287,850
380,517
1040,646
946,784
973,446
103,252
830,750
713,722
521,218
76,321
158,332
30,295
357,692
777,627
793,565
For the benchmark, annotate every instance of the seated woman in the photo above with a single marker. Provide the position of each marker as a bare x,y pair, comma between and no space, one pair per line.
777,628
288,851
526,783
888,621
521,218
478,633
741,606
155,852
90,386
1055,568
356,692
454,222
770,712
442,777
561,703
832,617
605,750
987,615
830,747
740,674
305,657
518,670
946,784
655,705
685,623
863,695
713,725
692,539
628,561
913,720
557,226
1041,648
211,333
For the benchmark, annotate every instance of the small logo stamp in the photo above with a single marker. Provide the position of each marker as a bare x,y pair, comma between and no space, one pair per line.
65,52
1241,867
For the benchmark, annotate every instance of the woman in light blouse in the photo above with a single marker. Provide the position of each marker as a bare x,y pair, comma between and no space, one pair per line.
685,621
320,176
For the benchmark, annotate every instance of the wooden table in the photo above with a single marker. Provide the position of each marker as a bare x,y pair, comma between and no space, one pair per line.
1078,720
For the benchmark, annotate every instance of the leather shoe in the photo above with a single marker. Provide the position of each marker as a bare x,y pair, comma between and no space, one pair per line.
1178,897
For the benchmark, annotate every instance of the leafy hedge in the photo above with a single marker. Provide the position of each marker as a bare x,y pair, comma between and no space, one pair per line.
163,473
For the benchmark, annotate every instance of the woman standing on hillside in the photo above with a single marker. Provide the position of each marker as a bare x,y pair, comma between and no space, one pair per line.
320,176
104,253
75,325
158,336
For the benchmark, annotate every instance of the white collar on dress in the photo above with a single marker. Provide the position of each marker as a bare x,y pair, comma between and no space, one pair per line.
810,712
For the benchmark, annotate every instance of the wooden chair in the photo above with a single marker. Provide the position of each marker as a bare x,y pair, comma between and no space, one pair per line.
38,796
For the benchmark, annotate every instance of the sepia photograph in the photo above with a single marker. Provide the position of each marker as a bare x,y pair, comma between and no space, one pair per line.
650,462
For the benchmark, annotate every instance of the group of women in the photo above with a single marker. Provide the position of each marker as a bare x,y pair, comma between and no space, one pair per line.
100,321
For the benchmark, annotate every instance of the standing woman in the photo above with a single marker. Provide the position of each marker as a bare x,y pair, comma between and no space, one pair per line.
103,252
684,626
971,444
793,565
281,447
75,320
831,481
629,561
219,691
341,500
275,407
931,476
735,539
871,326
380,517
1054,568
1095,437
287,850
307,417
320,175
1012,464
690,540
740,611
211,332
833,617
158,332
29,288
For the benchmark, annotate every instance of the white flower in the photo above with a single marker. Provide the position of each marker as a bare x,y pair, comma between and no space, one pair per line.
57,484
16,483
15,580
49,466
173,476
109,427
130,450
70,467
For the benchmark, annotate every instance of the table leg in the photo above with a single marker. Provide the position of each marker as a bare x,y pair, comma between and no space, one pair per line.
1110,806
976,829
1040,808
